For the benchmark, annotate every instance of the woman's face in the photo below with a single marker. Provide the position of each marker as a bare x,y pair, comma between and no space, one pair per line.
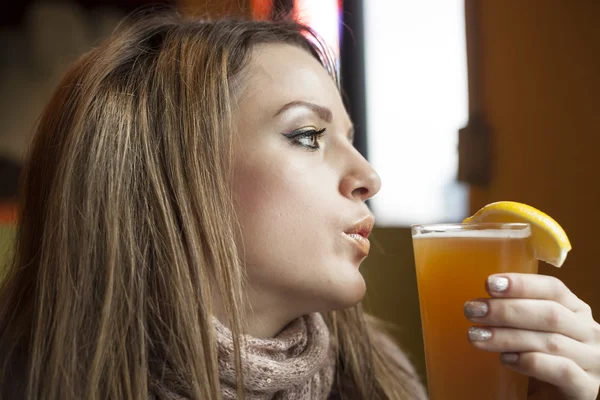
300,187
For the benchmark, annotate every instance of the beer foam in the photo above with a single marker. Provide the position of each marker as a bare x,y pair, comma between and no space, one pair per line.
475,234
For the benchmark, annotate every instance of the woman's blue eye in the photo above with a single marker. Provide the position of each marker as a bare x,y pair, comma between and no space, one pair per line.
306,137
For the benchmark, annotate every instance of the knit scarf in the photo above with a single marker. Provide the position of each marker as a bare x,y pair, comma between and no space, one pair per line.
296,364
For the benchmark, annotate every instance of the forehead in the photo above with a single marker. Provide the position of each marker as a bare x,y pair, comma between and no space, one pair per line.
280,73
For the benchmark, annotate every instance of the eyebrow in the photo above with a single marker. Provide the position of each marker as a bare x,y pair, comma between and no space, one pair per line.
322,112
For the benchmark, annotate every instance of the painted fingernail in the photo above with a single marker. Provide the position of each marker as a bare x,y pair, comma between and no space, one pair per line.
475,309
509,358
477,334
497,283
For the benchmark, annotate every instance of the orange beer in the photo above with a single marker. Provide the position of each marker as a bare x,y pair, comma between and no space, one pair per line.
453,263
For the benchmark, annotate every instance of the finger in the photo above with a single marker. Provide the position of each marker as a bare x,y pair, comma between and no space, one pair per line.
531,286
562,372
535,315
506,340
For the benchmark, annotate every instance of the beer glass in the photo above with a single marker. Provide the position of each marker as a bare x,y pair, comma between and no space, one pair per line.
453,262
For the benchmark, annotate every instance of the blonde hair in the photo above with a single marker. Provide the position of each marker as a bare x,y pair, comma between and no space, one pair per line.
127,219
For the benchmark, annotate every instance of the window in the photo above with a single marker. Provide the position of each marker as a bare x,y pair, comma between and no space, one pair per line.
416,101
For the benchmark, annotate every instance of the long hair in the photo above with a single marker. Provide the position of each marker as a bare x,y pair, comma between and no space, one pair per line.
127,226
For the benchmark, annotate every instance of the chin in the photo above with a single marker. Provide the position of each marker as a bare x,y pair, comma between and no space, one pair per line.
347,293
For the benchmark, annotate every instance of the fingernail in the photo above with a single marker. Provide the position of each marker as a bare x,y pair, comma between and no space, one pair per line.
497,283
509,358
475,309
477,334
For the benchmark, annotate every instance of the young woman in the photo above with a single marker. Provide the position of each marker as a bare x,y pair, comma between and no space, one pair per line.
193,219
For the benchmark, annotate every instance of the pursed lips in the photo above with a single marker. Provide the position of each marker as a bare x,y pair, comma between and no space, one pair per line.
359,234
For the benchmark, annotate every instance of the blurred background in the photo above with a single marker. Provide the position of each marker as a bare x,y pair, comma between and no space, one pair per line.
457,103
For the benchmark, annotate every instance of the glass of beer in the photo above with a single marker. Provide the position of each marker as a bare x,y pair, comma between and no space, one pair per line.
453,262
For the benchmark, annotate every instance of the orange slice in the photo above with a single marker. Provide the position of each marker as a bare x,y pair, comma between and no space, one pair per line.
550,242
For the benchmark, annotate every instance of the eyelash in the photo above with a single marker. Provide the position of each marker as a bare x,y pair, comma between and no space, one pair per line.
296,135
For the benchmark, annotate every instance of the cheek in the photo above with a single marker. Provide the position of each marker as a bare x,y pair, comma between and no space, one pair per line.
260,194
283,212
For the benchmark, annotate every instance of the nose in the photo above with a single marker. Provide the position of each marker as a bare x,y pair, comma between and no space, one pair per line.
360,181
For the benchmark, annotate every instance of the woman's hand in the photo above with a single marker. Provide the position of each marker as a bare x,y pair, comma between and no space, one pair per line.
542,330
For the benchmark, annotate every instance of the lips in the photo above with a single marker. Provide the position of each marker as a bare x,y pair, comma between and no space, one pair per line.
359,233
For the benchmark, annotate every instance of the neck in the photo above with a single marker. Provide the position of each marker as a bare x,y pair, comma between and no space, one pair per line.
265,317
266,325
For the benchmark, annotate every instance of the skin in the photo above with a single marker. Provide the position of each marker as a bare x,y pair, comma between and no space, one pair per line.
294,203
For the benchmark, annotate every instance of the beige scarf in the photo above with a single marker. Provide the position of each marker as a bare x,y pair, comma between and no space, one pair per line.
297,364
